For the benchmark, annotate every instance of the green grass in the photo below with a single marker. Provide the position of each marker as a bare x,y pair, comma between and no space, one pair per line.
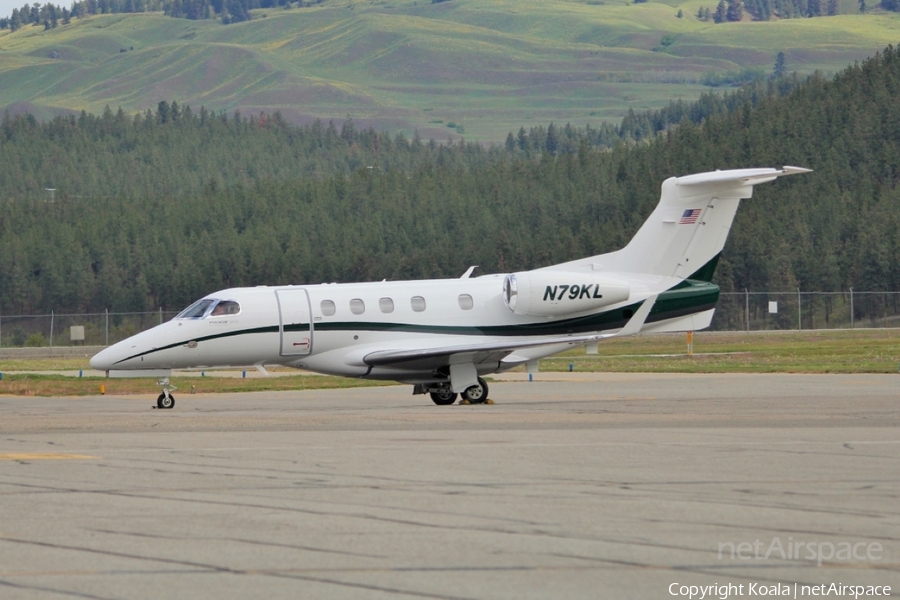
494,65
59,385
822,351
45,364
858,351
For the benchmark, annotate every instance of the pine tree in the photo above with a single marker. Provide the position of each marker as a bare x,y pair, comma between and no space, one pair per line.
721,12
522,138
780,65
735,11
551,145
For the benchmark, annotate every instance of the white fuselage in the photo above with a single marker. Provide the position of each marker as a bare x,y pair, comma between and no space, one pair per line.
365,317
450,331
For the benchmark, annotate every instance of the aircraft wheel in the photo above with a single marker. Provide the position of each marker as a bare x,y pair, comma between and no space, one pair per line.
477,394
443,397
165,401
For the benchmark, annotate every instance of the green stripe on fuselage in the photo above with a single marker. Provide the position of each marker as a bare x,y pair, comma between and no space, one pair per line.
686,298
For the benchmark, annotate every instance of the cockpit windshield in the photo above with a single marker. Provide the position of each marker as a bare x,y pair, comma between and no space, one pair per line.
201,308
196,310
226,307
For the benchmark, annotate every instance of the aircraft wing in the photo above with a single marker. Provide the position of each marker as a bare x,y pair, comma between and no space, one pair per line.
495,351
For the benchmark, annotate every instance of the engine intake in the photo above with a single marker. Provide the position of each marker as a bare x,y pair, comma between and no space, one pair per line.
555,293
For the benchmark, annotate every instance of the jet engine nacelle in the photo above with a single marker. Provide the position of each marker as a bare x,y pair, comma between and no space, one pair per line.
554,293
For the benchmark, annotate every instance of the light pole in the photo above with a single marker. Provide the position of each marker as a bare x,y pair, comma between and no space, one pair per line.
52,194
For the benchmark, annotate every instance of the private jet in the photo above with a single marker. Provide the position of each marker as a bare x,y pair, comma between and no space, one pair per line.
443,336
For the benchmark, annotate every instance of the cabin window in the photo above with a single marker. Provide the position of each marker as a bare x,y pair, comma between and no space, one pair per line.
417,303
386,305
226,307
195,310
466,302
357,306
328,308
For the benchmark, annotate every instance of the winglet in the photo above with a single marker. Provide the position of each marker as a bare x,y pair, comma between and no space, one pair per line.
635,323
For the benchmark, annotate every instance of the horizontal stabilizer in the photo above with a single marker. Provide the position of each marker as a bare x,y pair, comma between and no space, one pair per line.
739,176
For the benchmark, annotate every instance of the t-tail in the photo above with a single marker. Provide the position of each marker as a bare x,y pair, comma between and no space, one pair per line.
685,234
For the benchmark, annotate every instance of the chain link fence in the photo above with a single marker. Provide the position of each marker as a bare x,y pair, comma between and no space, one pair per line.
91,329
736,311
798,310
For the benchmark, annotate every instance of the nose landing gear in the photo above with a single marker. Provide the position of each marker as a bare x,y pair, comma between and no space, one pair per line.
166,399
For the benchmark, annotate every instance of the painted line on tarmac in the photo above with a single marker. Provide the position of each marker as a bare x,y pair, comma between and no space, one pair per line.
44,456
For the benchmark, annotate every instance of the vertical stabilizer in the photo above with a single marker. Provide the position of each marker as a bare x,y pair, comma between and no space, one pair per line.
689,226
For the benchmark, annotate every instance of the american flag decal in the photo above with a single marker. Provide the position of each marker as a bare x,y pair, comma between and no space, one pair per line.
690,216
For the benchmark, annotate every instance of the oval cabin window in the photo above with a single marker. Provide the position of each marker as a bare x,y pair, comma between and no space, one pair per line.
386,305
357,306
328,308
466,302
417,303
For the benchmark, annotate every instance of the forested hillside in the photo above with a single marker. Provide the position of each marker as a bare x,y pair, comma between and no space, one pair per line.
160,208
176,150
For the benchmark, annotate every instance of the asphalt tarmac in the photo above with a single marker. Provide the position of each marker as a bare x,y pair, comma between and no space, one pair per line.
571,486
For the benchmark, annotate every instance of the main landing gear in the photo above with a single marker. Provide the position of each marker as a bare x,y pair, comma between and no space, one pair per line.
166,399
476,394
442,395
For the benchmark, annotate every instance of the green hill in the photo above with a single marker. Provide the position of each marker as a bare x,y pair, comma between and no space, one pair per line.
475,67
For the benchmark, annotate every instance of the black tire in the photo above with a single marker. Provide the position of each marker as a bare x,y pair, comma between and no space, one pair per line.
165,401
477,394
445,397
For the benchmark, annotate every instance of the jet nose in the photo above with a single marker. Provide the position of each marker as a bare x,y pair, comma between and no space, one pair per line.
102,361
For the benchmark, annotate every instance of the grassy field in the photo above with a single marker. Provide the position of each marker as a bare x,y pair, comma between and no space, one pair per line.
486,66
858,351
59,385
822,351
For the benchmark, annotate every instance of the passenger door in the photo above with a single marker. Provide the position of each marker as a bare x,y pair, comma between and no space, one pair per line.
295,322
